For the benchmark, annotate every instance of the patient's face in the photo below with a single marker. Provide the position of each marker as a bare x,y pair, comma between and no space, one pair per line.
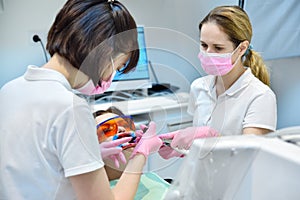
111,170
100,119
111,126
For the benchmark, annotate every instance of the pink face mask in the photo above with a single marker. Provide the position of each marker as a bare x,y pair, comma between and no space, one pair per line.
216,63
90,89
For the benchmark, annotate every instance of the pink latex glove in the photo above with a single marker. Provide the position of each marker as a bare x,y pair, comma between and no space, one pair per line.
167,152
148,143
111,149
183,139
139,133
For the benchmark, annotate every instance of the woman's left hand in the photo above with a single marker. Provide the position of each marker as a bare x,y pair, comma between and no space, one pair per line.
112,150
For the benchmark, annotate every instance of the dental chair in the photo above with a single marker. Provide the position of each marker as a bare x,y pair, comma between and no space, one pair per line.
245,167
289,134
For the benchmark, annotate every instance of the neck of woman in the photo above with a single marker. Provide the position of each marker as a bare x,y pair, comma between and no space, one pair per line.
223,83
75,77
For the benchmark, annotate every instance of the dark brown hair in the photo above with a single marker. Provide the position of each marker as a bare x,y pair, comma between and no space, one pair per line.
235,22
111,109
88,33
114,110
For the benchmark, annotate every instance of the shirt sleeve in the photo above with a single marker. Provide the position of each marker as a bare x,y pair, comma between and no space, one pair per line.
262,112
76,139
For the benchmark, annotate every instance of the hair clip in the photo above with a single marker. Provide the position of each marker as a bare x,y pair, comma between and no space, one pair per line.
111,4
250,47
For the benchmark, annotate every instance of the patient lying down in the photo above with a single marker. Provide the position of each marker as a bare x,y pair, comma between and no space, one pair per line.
113,124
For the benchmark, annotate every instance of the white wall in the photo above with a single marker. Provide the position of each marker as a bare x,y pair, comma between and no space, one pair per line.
171,36
19,21
276,27
276,35
285,82
173,41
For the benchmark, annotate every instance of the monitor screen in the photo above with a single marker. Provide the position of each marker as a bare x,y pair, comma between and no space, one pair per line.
139,78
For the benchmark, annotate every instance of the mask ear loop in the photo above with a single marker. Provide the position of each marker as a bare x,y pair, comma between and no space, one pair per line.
113,7
250,47
113,70
237,57
112,64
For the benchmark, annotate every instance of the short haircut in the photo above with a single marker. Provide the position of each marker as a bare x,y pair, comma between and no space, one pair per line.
111,109
80,27
114,110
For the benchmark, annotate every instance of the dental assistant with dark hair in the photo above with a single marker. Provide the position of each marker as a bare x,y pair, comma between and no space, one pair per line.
235,98
49,147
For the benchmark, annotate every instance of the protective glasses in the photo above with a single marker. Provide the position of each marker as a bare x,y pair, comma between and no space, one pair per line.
111,127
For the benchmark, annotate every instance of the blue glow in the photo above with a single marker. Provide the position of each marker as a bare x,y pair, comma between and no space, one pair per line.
141,71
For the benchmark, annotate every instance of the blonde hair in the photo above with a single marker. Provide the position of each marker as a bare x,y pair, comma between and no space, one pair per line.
235,22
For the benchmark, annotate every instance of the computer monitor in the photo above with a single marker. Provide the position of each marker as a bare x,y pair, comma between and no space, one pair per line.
140,77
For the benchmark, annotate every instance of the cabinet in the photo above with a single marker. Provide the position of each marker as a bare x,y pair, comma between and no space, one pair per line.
169,112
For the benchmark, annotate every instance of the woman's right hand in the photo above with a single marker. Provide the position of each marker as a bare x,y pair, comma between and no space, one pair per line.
149,142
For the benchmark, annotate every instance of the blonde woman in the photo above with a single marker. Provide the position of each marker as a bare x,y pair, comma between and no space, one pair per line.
235,98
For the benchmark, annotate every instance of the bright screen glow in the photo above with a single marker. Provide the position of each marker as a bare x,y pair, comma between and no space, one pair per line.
139,78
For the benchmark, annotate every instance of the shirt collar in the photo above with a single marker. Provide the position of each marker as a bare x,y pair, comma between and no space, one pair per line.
208,85
35,73
240,83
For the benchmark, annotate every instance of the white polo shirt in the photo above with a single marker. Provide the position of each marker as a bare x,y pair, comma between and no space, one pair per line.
247,103
47,134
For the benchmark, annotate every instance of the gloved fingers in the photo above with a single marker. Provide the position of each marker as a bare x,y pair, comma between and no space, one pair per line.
116,161
167,152
164,152
182,143
164,149
137,140
117,157
139,133
117,142
143,127
113,150
151,131
122,158
174,143
167,135
213,133
185,143
204,131
176,154
149,143
183,147
106,152
184,138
